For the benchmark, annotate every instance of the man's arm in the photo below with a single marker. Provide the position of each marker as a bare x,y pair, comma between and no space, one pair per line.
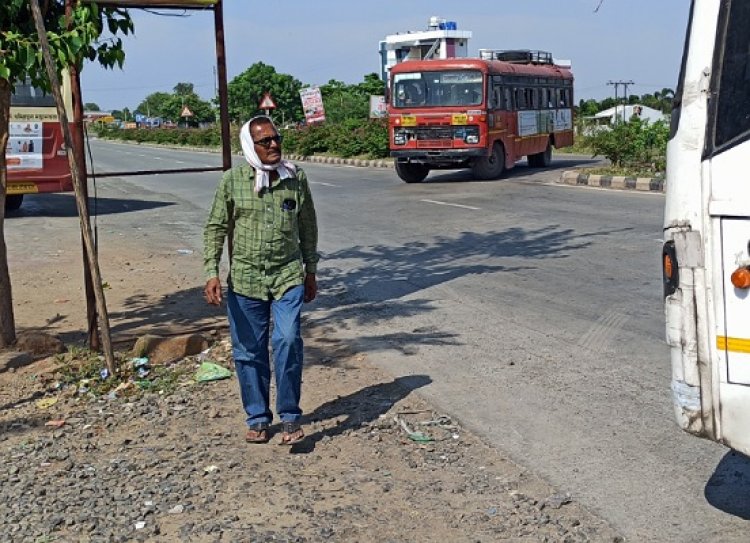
308,237
214,234
308,228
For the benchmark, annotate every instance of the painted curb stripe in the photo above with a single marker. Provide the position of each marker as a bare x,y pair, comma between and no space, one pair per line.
733,344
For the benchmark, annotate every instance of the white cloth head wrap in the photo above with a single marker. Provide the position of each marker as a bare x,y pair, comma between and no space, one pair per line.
262,177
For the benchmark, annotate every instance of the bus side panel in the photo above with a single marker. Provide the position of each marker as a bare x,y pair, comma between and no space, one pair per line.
55,173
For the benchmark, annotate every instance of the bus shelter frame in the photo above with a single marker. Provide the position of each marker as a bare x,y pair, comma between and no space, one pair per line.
78,119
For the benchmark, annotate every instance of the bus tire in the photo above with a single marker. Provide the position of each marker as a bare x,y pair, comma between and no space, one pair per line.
13,201
492,166
543,159
411,172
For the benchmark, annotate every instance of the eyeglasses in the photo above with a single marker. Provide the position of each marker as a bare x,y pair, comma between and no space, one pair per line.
266,142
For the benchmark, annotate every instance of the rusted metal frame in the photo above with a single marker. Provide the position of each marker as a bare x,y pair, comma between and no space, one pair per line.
157,172
221,74
80,154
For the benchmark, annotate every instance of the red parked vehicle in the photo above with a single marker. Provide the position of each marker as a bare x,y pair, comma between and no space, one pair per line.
478,113
35,154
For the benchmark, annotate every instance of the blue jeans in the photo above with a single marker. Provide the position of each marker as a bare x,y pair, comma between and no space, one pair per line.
249,323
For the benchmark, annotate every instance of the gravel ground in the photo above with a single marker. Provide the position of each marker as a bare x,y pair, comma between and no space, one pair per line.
379,464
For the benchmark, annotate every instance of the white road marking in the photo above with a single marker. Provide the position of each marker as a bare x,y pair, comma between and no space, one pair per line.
179,162
324,184
436,202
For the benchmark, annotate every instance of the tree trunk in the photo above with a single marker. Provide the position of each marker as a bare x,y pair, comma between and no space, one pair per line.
7,322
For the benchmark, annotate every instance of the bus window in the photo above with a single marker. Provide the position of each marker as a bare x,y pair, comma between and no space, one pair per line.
732,122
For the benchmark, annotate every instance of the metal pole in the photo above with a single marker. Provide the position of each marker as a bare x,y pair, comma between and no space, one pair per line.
221,64
83,215
78,149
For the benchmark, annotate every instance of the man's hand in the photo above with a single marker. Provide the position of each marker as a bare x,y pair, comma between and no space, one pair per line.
311,287
212,291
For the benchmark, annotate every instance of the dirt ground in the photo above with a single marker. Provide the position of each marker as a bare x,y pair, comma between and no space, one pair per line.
379,463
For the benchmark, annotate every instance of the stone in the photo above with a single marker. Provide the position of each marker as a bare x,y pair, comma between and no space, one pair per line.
161,350
39,343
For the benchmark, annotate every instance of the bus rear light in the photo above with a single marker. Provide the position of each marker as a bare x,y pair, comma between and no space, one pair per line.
670,269
741,278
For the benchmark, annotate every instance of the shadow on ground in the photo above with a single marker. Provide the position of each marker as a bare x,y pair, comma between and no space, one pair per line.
360,408
728,489
520,170
64,205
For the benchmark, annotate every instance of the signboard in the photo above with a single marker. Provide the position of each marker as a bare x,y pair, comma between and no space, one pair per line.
186,112
267,102
24,148
312,105
377,107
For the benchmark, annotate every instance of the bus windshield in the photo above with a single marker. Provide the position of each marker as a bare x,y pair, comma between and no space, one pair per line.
24,95
433,89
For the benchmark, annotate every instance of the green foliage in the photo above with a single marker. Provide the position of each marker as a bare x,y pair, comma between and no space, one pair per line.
247,89
90,34
193,137
637,145
91,106
352,137
169,106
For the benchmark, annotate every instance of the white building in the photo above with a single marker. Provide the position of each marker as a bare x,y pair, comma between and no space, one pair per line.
442,39
626,112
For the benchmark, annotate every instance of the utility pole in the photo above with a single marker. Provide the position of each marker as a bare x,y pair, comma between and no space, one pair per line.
617,84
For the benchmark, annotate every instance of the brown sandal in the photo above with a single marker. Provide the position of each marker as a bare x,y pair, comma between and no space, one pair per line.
257,433
292,433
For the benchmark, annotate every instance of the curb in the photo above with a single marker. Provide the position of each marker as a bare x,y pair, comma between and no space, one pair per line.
645,184
342,161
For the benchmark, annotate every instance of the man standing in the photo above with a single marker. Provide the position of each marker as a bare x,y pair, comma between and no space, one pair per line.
266,211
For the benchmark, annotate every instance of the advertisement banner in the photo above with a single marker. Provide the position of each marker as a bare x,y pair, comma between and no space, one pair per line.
312,105
377,107
24,149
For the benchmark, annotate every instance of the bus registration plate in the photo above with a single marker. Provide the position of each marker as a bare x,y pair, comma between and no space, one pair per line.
459,118
408,120
21,188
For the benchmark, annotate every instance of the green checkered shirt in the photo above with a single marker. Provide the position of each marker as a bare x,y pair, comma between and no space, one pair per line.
271,233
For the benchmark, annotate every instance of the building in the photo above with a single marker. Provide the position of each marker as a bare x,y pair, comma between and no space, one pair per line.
442,39
626,112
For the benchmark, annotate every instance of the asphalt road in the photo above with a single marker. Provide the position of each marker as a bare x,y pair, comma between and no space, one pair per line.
535,309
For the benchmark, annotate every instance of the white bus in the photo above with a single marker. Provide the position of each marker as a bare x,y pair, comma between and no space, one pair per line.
706,257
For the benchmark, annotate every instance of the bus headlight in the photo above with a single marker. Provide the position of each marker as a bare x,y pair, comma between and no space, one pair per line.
471,135
399,136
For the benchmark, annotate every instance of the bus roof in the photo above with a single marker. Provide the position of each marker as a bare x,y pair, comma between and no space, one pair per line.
487,66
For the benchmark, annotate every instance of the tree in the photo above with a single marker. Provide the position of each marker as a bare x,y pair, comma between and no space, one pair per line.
169,106
91,106
247,89
72,40
184,89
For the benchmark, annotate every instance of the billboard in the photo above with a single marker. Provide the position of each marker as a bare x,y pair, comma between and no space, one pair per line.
24,147
377,107
312,105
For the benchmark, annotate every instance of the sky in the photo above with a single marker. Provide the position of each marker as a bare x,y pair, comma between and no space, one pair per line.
316,41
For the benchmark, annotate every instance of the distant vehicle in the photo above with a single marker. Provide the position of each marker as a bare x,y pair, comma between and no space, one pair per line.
35,155
706,254
479,113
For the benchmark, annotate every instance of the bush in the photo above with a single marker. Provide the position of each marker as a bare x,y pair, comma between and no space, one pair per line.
351,137
636,145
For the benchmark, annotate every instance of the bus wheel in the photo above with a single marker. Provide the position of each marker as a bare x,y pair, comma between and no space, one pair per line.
543,159
13,201
412,172
492,166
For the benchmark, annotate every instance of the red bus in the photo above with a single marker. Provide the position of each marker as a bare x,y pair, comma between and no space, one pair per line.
479,113
35,154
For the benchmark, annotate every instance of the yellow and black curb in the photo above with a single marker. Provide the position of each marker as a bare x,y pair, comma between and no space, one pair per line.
646,184
342,161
